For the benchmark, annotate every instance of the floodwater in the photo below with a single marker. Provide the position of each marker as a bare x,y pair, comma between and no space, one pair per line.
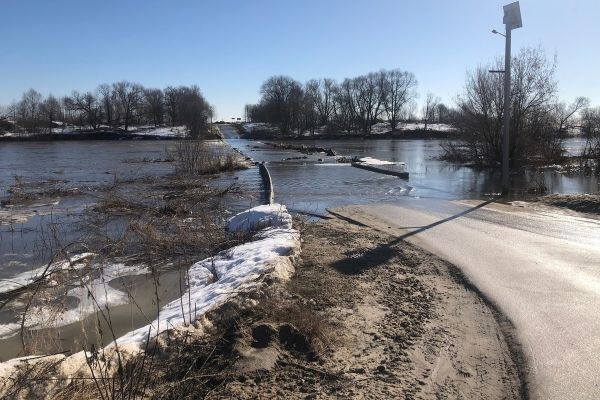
305,183
315,183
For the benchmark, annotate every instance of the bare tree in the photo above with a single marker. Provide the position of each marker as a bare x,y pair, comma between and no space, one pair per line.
590,127
345,110
533,126
325,102
312,98
281,101
429,108
154,105
50,109
106,98
172,96
567,113
28,110
128,96
194,111
401,87
87,104
369,94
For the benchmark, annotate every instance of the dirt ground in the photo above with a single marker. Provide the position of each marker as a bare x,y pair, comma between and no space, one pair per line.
587,203
366,317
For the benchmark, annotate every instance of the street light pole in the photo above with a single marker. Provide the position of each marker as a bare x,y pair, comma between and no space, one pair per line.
506,137
512,20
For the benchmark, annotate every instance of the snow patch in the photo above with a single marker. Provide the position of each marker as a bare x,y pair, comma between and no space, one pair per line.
26,278
273,215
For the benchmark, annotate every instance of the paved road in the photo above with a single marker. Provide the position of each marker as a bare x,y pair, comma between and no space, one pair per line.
541,268
229,132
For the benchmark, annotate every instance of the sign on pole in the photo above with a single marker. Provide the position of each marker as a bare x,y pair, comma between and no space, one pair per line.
512,16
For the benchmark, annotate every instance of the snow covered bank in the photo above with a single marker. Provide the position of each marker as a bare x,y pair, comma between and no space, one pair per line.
274,216
231,272
250,127
213,281
384,127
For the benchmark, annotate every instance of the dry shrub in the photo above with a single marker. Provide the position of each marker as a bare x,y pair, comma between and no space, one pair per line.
204,158
537,184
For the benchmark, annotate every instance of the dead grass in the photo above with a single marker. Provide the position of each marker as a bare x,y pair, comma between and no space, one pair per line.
204,158
588,203
22,191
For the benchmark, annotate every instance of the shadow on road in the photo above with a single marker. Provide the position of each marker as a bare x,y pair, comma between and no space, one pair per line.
442,221
361,260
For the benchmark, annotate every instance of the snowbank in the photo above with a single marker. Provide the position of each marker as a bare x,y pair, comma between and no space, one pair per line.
238,270
213,281
176,131
274,215
250,127
384,127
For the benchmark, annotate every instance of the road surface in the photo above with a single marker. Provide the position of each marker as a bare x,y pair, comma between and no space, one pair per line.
541,268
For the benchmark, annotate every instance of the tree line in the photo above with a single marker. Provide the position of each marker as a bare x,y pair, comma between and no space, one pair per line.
539,120
117,106
353,105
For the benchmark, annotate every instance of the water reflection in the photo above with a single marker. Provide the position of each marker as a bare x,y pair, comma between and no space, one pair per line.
313,184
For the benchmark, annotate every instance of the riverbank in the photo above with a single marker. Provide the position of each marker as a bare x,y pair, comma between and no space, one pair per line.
359,319
581,202
261,131
135,133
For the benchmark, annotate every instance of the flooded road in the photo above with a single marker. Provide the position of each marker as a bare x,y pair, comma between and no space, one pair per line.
313,183
306,183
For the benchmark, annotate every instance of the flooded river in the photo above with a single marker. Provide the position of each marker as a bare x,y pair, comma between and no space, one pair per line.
305,183
317,182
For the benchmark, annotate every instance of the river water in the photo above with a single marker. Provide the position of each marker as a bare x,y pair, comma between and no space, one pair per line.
305,183
317,182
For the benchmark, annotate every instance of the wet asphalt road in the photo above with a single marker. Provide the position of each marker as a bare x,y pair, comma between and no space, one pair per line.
540,267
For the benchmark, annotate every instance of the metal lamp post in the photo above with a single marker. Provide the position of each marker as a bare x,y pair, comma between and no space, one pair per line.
512,20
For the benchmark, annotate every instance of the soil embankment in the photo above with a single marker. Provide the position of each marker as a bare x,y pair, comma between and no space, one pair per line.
581,202
363,317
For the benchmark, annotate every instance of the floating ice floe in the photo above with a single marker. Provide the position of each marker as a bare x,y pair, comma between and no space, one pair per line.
28,277
374,161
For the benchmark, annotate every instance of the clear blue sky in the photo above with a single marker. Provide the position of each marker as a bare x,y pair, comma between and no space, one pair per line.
229,48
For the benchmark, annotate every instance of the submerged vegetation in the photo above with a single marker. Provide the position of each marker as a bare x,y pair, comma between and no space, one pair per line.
155,226
539,122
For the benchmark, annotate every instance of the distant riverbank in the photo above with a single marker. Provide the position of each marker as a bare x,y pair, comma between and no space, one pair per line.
262,131
68,134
